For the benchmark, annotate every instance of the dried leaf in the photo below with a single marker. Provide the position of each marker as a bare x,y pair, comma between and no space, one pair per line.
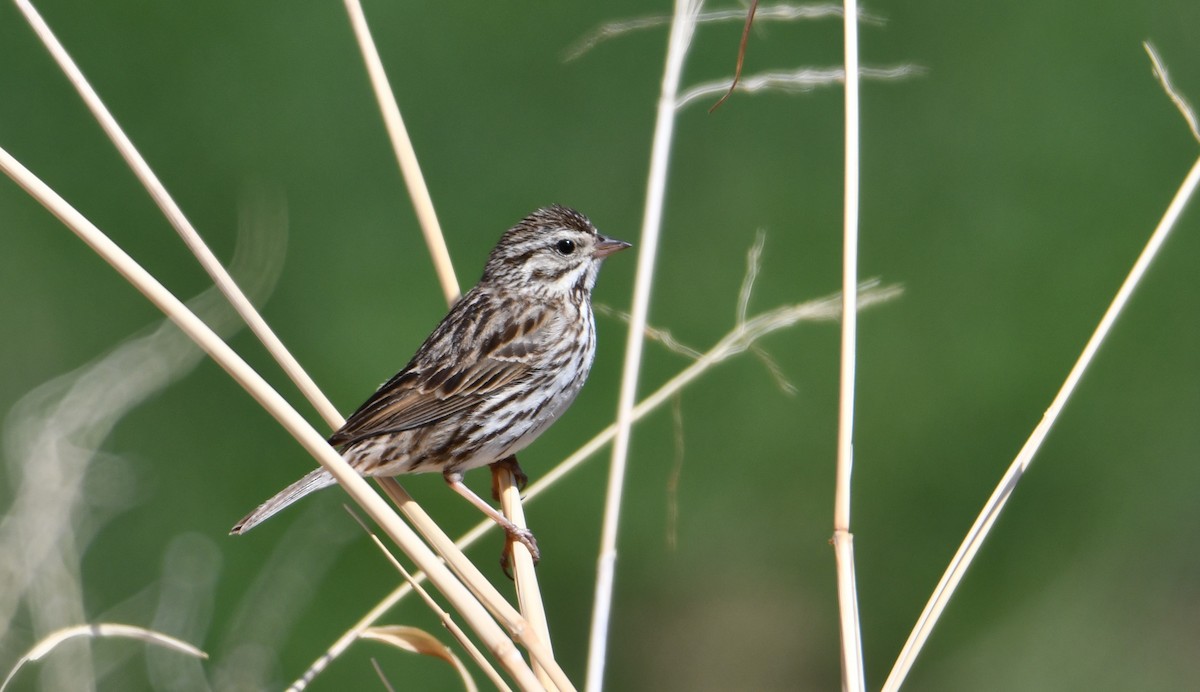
418,641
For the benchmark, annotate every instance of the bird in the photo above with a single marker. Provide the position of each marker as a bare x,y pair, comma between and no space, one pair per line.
504,364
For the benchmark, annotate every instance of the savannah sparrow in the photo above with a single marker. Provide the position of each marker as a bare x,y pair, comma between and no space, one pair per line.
502,366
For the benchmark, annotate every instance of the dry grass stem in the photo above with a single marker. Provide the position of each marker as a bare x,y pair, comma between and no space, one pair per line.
1004,489
277,407
178,221
528,594
781,12
853,678
455,560
419,641
98,631
517,624
794,82
406,156
683,26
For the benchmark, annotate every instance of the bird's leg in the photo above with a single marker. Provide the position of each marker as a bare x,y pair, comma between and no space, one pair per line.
508,463
519,533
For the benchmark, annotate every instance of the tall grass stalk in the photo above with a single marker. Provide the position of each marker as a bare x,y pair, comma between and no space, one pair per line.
683,25
995,504
853,678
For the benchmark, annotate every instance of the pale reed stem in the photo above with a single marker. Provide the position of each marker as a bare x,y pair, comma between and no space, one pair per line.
682,26
853,678
991,510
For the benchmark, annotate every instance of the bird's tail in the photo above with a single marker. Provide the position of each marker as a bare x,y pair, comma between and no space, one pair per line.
315,480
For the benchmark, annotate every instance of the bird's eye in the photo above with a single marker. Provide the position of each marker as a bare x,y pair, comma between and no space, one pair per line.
565,247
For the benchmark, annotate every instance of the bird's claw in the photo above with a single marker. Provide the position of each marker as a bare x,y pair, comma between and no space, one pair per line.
526,538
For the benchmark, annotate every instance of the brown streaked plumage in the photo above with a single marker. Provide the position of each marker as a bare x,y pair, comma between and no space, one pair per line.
503,365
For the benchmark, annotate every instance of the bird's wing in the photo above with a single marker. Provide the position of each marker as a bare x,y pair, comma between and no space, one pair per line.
458,367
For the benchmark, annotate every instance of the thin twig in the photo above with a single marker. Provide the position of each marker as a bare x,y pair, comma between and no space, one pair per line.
996,503
853,678
682,27
741,56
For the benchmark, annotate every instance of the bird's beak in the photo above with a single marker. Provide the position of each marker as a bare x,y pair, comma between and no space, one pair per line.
608,246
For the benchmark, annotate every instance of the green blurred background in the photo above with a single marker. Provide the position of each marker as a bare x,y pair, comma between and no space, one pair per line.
1009,189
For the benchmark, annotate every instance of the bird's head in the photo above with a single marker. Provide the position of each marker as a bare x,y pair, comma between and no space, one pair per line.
553,251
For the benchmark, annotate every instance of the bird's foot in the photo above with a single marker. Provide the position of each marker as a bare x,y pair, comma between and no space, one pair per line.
526,538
